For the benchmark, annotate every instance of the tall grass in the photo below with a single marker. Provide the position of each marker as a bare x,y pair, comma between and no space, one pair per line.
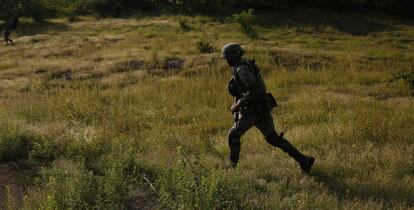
165,131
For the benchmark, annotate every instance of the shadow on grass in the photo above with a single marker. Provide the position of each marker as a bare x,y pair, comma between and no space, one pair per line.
389,195
29,28
305,19
358,22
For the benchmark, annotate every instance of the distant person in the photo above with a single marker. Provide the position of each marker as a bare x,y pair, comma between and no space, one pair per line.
253,107
6,33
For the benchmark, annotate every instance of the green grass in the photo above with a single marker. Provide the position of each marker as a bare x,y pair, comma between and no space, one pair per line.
111,126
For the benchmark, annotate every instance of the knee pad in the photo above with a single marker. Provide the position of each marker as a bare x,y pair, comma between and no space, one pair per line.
272,138
233,134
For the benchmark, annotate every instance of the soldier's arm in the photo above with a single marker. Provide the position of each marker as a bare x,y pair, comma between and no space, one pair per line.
248,78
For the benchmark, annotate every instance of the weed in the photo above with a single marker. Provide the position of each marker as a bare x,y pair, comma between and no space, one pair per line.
101,142
204,47
245,20
183,25
404,78
14,146
189,185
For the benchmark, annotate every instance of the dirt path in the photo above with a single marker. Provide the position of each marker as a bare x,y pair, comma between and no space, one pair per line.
142,200
11,176
16,179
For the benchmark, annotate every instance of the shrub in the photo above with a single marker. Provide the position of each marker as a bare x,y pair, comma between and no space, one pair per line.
14,144
204,47
189,185
245,20
405,76
43,150
35,9
183,25
106,8
72,10
405,79
69,185
22,146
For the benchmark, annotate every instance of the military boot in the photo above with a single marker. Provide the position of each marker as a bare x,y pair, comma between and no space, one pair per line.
304,161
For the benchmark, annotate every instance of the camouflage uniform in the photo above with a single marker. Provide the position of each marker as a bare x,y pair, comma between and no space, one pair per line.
6,33
255,111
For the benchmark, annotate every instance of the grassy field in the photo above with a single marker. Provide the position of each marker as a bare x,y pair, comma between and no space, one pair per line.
129,114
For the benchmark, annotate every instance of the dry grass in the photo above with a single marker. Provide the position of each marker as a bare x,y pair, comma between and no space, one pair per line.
96,97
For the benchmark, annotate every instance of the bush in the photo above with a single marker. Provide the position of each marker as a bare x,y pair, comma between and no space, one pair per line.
36,9
405,78
73,9
17,146
69,185
14,147
189,185
43,150
183,25
246,20
14,144
204,47
106,8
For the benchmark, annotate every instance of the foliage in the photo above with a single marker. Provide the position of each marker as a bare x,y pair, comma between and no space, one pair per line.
189,185
183,25
14,144
106,8
41,9
68,8
103,142
245,20
405,78
37,9
69,185
204,47
10,9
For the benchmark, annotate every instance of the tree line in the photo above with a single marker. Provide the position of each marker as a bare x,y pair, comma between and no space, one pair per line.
41,9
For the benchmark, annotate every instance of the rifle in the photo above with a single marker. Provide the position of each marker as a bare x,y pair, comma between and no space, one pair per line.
236,113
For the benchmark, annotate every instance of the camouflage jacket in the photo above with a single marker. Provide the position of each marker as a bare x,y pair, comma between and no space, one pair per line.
249,84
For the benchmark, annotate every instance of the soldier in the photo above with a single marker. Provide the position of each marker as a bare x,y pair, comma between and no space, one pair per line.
253,107
6,33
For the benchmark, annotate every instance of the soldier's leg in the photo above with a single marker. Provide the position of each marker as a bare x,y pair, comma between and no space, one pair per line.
6,37
266,126
235,133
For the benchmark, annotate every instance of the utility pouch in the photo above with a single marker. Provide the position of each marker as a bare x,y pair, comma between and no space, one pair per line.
270,101
233,88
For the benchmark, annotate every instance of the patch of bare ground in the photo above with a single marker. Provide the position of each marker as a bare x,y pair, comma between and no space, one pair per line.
169,65
13,177
142,199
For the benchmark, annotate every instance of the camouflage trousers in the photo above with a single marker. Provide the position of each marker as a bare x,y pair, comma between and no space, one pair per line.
263,122
6,36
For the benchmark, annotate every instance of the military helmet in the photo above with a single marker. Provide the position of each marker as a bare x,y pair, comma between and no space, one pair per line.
232,51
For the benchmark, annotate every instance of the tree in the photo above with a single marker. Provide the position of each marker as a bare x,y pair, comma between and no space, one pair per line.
10,9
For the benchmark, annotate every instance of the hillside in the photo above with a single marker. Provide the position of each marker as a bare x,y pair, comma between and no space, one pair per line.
128,113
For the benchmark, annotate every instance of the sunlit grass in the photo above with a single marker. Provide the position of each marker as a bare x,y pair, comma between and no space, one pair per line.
108,127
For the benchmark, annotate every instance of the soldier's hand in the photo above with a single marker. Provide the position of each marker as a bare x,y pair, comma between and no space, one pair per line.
235,107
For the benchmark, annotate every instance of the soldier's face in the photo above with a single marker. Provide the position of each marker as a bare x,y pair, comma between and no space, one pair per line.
231,62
